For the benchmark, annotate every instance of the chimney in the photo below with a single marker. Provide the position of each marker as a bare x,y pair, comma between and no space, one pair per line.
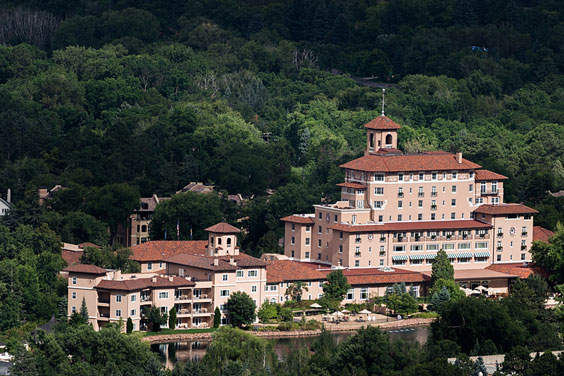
154,279
215,261
232,261
459,157
170,278
9,196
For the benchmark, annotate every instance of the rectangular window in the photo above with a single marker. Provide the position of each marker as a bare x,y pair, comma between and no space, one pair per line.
399,248
420,203
421,176
454,175
483,187
252,273
133,312
163,295
118,312
400,204
364,293
319,229
453,215
400,177
379,191
495,200
453,189
149,266
356,263
419,217
293,240
118,298
336,218
448,246
494,186
74,280
319,242
224,293
432,247
133,298
293,226
464,245
74,295
481,245
453,202
306,241
240,273
399,217
417,247
73,309
253,289
307,255
378,177
434,176
471,188
350,294
378,204
225,277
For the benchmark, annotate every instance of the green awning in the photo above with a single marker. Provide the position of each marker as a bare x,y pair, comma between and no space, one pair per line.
465,255
431,256
481,254
399,258
417,257
452,255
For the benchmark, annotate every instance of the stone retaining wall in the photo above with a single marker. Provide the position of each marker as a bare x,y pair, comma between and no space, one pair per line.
187,337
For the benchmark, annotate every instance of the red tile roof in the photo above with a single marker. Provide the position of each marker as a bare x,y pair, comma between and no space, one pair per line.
377,276
287,271
352,185
158,250
143,283
298,219
85,268
71,257
223,228
434,161
518,269
488,175
382,122
243,260
412,226
201,262
542,234
88,244
504,209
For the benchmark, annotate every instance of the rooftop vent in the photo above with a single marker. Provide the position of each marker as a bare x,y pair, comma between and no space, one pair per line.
386,269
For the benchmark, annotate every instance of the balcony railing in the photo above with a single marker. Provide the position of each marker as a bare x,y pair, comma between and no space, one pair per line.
499,249
524,233
523,247
107,301
433,207
145,298
486,193
382,239
500,234
182,297
357,254
421,194
433,194
400,194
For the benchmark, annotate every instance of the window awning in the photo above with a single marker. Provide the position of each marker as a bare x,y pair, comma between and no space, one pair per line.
465,255
452,255
417,257
481,254
431,256
399,258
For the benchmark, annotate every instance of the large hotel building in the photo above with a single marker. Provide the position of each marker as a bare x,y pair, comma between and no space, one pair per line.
398,209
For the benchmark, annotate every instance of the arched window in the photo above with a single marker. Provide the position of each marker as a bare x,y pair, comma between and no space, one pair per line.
218,241
371,141
229,242
389,139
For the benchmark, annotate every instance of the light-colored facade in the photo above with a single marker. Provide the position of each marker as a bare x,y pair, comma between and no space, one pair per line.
399,209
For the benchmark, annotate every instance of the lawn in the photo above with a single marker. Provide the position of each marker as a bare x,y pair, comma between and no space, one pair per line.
179,331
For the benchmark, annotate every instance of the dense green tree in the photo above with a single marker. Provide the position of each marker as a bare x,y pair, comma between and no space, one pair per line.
336,286
441,268
551,256
216,317
155,318
267,311
129,326
172,318
241,309
110,258
295,290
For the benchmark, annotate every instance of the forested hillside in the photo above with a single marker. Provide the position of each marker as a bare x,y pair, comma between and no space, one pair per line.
116,99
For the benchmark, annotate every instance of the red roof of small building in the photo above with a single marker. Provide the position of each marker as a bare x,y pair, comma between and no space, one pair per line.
223,228
352,185
412,226
434,161
519,270
71,257
244,260
287,270
488,175
88,244
380,276
143,283
85,268
382,122
542,234
298,219
502,209
158,250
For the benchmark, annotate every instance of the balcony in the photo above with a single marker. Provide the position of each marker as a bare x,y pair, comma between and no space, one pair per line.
483,236
433,207
489,193
499,249
183,312
433,194
523,247
400,239
382,239
400,194
418,238
524,233
357,254
182,297
466,237
421,194
500,234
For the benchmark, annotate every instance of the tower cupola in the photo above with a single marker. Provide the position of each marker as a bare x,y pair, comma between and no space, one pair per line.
222,240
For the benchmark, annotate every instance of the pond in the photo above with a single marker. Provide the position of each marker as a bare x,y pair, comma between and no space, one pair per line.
171,353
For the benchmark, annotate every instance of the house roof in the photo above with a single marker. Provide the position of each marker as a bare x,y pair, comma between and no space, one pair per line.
298,219
352,185
542,234
143,283
412,226
201,262
431,161
150,203
85,268
286,271
158,250
488,175
71,257
198,187
371,276
471,274
519,270
504,209
223,228
88,244
382,122
243,260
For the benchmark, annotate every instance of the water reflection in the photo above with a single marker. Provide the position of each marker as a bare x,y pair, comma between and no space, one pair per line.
171,353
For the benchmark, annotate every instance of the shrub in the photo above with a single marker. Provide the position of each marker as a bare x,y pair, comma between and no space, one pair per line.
286,314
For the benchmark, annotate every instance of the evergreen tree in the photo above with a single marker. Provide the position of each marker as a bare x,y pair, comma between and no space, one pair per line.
320,24
439,298
172,318
442,268
216,317
84,310
129,325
